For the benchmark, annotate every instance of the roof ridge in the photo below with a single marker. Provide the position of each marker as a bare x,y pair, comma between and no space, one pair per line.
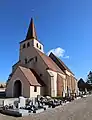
23,72
64,65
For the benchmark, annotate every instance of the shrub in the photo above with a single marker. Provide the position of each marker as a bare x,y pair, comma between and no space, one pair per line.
58,97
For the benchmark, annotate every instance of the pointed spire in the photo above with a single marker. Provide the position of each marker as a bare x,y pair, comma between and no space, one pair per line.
31,31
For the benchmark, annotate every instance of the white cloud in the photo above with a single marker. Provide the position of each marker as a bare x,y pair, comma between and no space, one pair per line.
67,57
59,52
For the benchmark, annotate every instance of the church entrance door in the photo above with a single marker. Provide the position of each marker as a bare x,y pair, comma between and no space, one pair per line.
17,88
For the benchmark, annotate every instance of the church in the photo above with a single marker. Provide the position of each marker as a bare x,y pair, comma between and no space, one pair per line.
35,73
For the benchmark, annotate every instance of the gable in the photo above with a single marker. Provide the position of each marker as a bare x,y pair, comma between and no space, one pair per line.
49,62
25,74
59,63
29,76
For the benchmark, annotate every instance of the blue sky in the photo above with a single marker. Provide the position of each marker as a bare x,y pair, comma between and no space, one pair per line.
65,24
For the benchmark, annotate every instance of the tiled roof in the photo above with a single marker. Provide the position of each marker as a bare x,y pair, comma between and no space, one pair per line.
37,77
61,63
49,62
32,79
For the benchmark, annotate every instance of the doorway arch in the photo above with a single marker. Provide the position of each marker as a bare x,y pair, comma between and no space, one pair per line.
17,90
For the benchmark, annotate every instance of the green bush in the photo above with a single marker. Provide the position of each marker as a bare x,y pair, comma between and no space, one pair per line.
58,97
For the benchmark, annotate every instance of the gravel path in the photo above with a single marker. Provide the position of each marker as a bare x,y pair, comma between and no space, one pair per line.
77,110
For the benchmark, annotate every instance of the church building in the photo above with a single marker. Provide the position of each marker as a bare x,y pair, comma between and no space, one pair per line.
35,73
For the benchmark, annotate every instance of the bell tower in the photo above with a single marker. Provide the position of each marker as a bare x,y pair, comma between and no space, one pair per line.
31,39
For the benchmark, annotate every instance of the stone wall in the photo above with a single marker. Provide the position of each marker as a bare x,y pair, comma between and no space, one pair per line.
60,85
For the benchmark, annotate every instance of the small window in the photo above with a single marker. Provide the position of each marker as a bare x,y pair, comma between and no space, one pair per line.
25,61
37,44
40,47
24,46
35,59
67,88
40,75
35,88
28,44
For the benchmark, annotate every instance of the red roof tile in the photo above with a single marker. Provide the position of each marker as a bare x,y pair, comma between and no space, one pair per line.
49,62
32,79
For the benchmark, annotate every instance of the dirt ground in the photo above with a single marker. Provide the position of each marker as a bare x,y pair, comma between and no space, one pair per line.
77,110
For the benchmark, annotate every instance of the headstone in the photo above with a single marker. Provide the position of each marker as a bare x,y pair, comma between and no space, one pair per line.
30,103
34,101
1,102
22,102
85,90
36,104
38,97
15,105
69,91
64,94
48,97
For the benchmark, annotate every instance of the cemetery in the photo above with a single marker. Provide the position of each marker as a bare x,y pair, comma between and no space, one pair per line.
21,106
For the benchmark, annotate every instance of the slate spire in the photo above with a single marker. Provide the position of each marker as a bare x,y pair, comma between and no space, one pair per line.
31,31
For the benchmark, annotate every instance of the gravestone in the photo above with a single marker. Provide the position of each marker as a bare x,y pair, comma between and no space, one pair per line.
22,102
34,101
64,94
9,101
85,90
69,92
38,97
77,92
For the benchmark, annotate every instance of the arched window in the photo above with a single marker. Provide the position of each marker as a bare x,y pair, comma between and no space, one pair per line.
36,59
28,44
24,46
37,45
25,60
40,75
40,47
35,88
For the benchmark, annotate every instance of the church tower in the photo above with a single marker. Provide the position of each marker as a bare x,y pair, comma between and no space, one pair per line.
31,41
